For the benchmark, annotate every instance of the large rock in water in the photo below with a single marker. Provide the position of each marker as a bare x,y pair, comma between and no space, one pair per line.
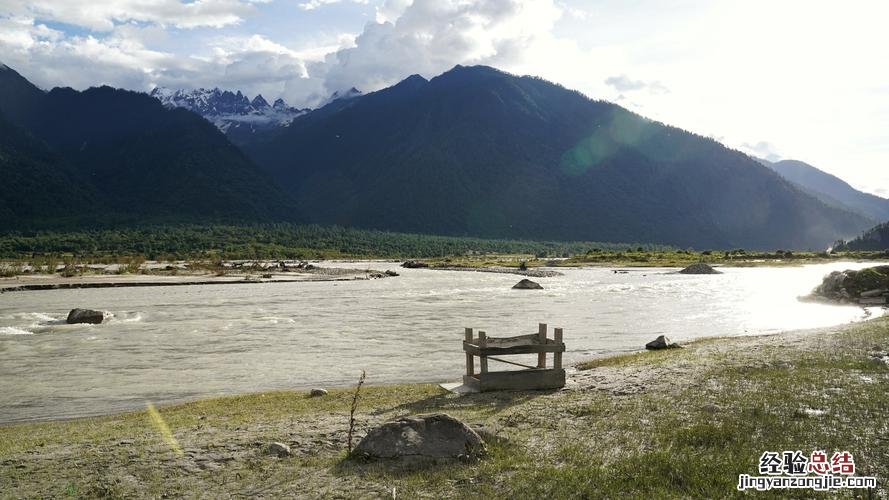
85,316
527,284
422,437
699,268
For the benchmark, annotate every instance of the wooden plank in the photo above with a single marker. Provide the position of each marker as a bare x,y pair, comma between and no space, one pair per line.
513,341
520,380
521,340
470,362
495,351
557,357
482,343
541,338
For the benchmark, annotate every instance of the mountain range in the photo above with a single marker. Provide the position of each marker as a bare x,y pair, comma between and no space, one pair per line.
232,112
474,151
831,189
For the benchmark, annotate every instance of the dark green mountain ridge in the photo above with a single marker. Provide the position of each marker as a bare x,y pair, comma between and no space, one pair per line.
874,239
479,152
131,160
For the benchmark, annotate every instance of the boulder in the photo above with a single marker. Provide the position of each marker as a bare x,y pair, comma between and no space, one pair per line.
279,450
661,342
317,392
700,268
866,286
391,273
85,316
422,437
527,284
414,264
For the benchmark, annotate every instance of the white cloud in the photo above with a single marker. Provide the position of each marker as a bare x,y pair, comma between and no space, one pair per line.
314,4
429,37
103,15
623,83
254,64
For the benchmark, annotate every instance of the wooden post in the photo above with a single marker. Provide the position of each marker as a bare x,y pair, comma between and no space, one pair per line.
482,343
470,363
541,336
557,356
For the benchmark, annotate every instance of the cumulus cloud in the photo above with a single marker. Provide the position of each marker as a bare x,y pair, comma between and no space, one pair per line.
121,59
103,15
623,83
429,37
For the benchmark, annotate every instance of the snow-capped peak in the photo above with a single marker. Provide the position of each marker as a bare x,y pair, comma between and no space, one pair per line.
226,108
259,102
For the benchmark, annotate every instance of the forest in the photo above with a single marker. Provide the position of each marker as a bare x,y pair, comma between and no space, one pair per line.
273,241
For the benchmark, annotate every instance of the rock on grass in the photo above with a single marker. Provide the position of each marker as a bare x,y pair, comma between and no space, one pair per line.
422,438
661,342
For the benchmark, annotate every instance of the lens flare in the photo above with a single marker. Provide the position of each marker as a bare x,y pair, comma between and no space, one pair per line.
161,425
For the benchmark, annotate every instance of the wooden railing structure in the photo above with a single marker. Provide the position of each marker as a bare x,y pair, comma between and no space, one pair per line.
531,378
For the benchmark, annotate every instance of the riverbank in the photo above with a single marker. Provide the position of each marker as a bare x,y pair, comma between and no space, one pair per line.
676,423
644,258
103,278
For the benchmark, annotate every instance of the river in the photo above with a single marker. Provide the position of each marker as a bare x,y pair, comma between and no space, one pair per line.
169,344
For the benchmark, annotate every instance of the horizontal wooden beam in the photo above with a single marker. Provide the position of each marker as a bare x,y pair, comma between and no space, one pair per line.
525,349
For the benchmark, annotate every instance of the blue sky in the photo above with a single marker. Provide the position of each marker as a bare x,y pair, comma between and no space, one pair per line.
803,79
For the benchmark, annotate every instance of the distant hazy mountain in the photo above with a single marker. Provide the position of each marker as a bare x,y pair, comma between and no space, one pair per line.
876,238
138,160
476,151
831,189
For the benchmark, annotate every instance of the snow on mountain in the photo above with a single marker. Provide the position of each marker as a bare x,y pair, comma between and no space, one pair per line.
227,109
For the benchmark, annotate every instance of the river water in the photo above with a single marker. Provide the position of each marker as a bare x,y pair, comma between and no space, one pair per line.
170,344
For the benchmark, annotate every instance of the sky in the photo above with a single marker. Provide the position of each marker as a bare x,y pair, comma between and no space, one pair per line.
779,79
